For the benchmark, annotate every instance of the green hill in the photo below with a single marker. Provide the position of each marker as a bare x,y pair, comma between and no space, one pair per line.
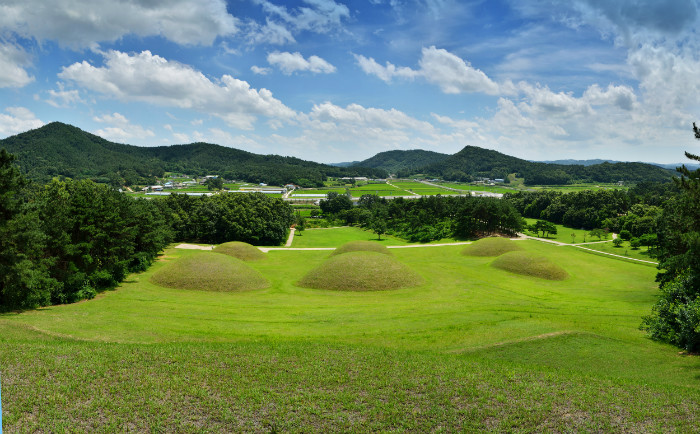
58,149
402,163
474,162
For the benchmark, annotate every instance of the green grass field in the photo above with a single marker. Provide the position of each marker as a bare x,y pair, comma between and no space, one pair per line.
624,250
563,234
472,348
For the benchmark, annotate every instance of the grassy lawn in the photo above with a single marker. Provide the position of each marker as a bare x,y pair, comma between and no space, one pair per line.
472,348
624,250
336,237
563,234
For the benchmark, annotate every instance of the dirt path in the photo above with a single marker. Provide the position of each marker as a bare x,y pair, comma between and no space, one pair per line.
291,238
193,247
402,189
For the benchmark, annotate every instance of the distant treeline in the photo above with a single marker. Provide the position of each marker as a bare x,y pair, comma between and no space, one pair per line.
60,150
635,210
427,218
67,240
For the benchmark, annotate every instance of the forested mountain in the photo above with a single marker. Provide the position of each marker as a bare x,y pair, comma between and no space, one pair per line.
63,150
473,162
402,163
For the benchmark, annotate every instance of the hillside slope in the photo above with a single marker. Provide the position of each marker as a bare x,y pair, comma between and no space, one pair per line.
58,149
474,162
402,162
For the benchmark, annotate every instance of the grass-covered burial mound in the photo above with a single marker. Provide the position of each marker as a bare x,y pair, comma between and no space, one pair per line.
493,246
361,246
530,265
206,271
243,251
361,271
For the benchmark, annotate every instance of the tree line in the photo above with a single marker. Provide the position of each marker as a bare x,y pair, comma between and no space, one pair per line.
427,218
69,239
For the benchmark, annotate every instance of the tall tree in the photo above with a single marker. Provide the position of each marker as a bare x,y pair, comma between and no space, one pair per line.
675,318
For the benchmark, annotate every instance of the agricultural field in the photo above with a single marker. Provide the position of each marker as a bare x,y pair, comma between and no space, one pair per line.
422,189
570,188
473,187
466,346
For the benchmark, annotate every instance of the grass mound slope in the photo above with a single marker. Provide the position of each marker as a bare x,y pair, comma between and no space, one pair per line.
240,250
361,271
530,265
493,246
361,246
208,272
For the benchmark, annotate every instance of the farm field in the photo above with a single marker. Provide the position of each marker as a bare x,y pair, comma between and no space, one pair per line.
472,187
422,189
472,348
570,188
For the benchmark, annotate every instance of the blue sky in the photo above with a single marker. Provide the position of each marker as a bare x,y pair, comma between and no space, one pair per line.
335,81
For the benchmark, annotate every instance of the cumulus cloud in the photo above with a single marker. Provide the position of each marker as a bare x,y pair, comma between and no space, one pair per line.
120,130
622,97
17,120
292,62
438,66
80,23
62,98
453,74
149,78
13,60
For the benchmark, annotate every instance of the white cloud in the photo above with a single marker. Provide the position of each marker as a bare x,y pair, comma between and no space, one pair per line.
453,74
80,23
149,78
292,62
260,70
622,97
13,60
385,73
438,66
18,120
271,33
120,129
320,16
62,98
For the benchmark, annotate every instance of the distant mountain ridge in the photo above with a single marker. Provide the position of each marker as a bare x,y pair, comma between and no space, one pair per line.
473,162
58,149
670,166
